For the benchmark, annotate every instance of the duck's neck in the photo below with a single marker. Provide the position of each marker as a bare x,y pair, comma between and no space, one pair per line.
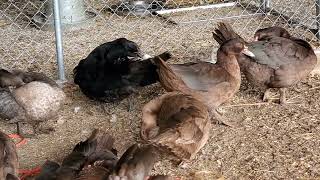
229,63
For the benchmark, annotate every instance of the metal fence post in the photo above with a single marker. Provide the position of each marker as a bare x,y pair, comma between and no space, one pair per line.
265,4
58,33
318,18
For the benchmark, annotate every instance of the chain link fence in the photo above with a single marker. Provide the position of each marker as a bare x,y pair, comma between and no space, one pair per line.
184,27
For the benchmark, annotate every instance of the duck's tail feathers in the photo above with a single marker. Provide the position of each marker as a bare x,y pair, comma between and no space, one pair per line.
167,77
104,153
127,155
142,155
104,141
224,32
88,146
165,56
78,157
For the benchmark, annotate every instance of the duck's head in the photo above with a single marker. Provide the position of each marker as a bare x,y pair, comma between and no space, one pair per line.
131,48
269,32
235,47
8,79
149,132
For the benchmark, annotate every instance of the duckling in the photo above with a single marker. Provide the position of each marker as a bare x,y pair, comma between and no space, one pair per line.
8,158
180,123
136,163
93,159
280,60
113,71
213,84
28,97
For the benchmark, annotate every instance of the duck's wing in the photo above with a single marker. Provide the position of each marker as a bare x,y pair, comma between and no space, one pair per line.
277,51
200,76
183,125
126,156
8,157
190,77
105,155
159,114
102,161
72,164
168,78
136,163
75,161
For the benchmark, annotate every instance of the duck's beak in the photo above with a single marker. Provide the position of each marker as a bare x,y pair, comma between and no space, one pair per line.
146,56
247,52
134,56
255,38
140,55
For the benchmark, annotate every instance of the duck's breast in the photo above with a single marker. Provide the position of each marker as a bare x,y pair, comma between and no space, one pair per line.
257,74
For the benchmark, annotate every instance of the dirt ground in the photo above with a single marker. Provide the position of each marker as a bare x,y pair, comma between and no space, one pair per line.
273,141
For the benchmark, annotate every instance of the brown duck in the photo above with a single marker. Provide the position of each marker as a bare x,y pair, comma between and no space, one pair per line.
28,97
136,163
178,122
212,84
280,60
8,158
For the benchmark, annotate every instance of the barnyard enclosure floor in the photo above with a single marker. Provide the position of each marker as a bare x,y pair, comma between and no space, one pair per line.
273,141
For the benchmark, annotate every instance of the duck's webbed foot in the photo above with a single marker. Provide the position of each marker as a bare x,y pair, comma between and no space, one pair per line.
25,130
31,130
282,99
42,130
267,97
130,100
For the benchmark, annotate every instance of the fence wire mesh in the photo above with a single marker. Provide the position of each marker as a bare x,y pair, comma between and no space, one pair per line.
23,43
266,149
27,38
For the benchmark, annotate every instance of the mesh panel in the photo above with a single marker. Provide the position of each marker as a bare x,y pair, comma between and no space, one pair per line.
27,41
